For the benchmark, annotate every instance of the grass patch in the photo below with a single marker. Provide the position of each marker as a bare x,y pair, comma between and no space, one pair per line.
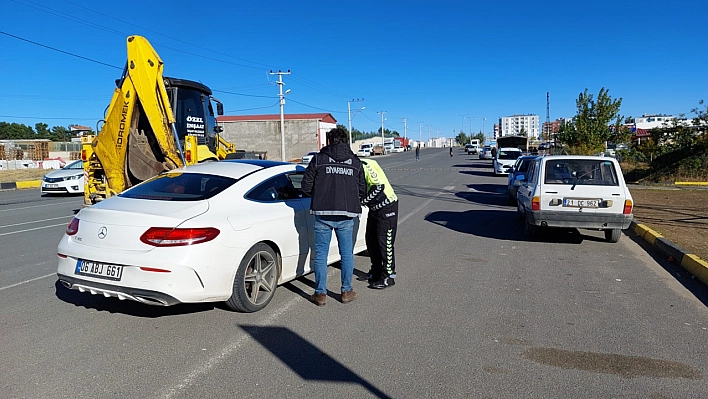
9,176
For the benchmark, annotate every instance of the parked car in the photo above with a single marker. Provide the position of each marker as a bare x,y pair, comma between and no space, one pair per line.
505,159
67,180
365,150
574,191
217,231
519,169
486,153
307,158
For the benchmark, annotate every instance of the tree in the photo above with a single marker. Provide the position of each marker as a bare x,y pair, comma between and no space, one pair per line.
60,133
588,132
42,130
461,138
523,132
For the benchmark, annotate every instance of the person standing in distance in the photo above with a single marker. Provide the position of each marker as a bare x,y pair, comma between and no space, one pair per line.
334,179
417,152
381,225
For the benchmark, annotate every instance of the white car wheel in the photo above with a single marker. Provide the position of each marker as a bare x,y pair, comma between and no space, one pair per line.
613,235
256,280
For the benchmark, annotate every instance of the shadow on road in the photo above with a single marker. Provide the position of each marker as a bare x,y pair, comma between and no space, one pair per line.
681,275
307,360
115,305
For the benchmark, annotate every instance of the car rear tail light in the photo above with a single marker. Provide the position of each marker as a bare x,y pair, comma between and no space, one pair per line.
154,270
627,207
73,227
62,255
536,203
174,237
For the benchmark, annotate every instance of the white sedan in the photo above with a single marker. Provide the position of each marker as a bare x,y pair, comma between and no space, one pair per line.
219,231
67,180
307,158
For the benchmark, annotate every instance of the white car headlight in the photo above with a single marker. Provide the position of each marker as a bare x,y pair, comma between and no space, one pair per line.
75,177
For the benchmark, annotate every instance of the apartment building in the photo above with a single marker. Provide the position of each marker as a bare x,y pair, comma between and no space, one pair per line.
516,124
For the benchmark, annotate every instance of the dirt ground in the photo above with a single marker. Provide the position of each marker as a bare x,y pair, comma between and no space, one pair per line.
679,214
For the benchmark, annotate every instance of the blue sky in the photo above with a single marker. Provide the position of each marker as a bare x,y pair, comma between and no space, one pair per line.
447,64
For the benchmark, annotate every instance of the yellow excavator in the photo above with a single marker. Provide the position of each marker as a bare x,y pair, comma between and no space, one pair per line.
153,124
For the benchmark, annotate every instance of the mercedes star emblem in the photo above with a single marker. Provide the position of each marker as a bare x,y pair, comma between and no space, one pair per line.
102,232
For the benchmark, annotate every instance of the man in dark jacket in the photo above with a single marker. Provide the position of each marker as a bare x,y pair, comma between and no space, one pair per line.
334,179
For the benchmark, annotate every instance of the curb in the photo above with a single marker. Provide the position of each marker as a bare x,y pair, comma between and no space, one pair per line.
692,263
21,185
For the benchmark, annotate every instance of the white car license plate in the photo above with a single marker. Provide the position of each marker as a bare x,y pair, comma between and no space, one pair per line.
52,186
581,203
99,270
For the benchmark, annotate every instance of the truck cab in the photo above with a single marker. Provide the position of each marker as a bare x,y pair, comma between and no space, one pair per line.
365,150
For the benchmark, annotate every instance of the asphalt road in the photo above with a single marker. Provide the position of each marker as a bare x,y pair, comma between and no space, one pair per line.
477,311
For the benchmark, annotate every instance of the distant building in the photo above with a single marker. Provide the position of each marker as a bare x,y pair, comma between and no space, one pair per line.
515,124
77,130
650,121
303,133
549,129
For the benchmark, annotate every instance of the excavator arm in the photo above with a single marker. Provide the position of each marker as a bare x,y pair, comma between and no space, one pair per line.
138,139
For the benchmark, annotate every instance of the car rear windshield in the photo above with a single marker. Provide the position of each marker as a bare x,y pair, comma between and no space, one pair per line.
180,187
581,172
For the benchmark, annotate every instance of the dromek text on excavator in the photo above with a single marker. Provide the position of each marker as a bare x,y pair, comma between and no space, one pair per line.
153,124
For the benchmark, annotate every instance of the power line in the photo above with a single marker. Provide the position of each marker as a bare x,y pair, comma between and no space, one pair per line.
61,51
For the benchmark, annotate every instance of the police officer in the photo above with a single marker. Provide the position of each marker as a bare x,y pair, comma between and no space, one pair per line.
381,225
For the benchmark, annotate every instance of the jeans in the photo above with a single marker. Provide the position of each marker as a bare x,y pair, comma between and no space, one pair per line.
344,228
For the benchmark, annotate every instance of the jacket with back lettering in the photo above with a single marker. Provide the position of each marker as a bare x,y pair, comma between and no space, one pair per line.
335,180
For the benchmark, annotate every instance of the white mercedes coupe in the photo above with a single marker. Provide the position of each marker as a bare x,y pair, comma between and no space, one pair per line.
219,231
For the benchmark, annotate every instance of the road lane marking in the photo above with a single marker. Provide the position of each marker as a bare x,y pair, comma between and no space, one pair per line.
37,206
36,221
224,354
424,204
36,228
27,281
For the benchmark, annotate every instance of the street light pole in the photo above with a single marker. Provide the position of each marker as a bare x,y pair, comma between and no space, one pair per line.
383,139
282,116
349,112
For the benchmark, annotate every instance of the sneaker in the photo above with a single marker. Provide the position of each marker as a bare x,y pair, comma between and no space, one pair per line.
348,296
383,283
373,276
319,299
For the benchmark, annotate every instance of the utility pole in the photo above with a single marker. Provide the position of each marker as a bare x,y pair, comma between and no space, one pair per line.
282,116
420,132
428,134
349,112
382,130
405,129
548,116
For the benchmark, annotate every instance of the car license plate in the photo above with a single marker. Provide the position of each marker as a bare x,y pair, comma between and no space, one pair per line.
99,270
581,203
52,186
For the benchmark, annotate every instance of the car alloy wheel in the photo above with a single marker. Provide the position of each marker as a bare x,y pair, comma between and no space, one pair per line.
256,280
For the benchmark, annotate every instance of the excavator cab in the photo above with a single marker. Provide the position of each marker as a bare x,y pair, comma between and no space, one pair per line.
194,115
